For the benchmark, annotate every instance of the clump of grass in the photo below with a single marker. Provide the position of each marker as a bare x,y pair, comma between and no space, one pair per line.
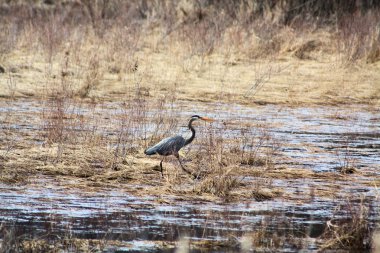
346,169
220,165
10,241
12,177
352,232
92,77
214,169
218,184
263,194
8,40
14,240
257,147
55,117
373,49
346,160
268,238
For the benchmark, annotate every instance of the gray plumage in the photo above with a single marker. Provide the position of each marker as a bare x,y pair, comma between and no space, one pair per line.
168,146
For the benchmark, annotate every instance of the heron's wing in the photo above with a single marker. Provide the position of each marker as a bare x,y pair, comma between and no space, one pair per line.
167,146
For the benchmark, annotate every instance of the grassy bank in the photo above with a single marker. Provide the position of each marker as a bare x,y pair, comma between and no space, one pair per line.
207,52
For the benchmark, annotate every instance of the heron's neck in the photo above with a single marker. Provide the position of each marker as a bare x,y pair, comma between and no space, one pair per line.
188,141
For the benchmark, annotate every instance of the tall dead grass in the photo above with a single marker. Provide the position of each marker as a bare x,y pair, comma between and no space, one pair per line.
257,30
352,232
221,164
358,38
98,46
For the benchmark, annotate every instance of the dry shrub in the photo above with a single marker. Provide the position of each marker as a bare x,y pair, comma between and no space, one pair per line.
131,130
67,122
302,52
218,184
200,37
264,71
124,44
269,238
268,40
251,146
70,124
265,239
92,78
373,51
352,232
359,37
8,140
8,39
234,39
96,11
221,164
211,165
60,120
54,124
16,239
10,176
53,32
345,156
255,40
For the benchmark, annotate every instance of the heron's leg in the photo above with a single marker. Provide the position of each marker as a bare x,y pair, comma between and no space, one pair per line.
184,169
162,170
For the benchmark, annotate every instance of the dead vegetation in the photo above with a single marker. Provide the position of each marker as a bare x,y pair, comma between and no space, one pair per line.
102,49
353,232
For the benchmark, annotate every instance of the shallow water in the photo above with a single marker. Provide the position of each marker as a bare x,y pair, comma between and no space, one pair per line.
112,215
351,133
316,138
116,216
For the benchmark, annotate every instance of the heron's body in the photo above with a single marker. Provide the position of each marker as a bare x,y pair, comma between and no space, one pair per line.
172,145
168,146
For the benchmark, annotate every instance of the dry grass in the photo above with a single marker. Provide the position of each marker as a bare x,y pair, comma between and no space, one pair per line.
204,57
352,233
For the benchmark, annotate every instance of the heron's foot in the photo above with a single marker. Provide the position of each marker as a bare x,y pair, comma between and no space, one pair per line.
196,176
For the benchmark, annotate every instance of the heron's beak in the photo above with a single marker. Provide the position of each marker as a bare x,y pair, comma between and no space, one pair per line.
207,119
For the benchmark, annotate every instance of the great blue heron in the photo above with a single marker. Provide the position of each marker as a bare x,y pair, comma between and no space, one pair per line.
171,145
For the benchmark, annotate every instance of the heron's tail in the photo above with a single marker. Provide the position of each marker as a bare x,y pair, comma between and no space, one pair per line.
150,151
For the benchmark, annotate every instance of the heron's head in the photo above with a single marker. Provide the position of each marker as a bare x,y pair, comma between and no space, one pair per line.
195,117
